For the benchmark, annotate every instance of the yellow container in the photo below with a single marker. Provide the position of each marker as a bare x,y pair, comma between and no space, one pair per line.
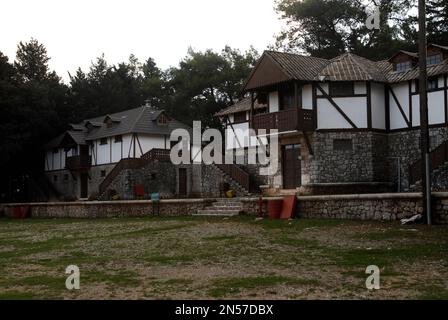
229,194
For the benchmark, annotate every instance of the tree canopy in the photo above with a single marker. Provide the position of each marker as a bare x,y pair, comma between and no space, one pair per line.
326,28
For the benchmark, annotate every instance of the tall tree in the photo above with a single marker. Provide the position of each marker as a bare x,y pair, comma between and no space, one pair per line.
437,12
327,28
208,81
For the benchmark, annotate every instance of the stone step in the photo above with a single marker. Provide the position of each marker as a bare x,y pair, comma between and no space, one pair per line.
214,215
225,207
210,212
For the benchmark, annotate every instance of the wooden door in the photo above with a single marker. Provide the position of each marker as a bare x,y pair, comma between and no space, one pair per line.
84,185
292,169
182,182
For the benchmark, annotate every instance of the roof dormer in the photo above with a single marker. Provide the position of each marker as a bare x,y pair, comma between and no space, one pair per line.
163,119
110,121
404,61
90,125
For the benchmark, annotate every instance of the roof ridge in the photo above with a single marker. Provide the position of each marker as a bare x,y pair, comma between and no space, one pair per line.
295,54
138,118
352,57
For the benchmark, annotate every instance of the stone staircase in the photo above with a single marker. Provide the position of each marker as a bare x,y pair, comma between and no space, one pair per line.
222,208
439,163
237,178
439,178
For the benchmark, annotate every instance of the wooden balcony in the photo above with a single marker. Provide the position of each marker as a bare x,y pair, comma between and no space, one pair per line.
283,121
78,163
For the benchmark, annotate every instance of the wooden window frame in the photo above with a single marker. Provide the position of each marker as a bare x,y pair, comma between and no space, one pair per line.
104,141
433,80
334,90
118,138
429,59
287,90
398,66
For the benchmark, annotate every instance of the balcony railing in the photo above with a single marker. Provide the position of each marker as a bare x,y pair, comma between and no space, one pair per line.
77,163
287,120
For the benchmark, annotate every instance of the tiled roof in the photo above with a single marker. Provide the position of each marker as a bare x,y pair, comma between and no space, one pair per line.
350,67
138,120
241,106
297,66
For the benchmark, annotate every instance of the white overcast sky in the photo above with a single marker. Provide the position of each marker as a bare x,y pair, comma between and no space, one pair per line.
76,32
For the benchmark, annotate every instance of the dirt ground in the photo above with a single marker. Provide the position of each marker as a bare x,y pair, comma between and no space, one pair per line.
215,258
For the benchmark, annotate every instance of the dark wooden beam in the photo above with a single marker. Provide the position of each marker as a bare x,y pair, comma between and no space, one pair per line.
308,144
139,145
445,99
387,107
400,107
369,104
410,102
252,102
234,133
314,105
335,105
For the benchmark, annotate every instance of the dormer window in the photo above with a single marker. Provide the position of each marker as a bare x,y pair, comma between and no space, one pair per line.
434,59
403,66
162,120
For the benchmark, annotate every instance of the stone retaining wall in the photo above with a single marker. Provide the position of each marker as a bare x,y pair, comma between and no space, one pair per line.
379,207
109,209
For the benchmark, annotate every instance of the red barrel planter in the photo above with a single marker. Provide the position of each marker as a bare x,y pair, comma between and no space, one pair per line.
275,208
20,212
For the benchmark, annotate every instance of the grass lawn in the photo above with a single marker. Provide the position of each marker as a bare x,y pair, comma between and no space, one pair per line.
238,258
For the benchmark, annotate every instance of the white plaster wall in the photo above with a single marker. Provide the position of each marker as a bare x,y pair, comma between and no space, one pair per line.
242,132
116,150
360,88
436,107
127,139
441,82
401,91
103,152
149,142
273,102
329,118
324,87
307,97
415,110
378,106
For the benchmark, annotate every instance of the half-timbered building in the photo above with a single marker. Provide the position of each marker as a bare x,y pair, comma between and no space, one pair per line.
348,124
86,159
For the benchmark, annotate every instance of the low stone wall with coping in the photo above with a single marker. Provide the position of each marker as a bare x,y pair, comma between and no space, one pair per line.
109,209
378,207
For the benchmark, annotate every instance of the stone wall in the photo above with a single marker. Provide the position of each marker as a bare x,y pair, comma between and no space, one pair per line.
405,145
364,163
374,207
160,177
69,185
109,209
